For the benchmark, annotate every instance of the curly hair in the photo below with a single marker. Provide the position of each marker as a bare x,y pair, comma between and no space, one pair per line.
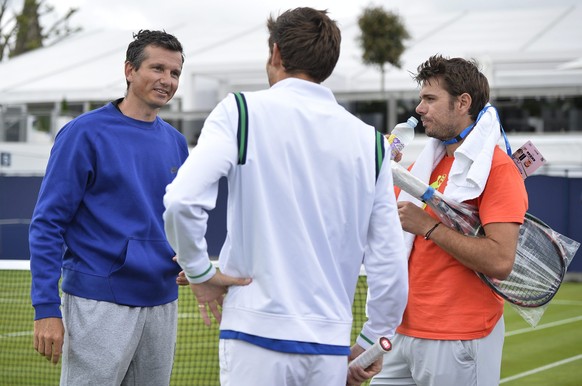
457,76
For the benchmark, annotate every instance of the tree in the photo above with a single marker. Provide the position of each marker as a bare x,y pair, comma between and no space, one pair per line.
23,32
382,38
7,28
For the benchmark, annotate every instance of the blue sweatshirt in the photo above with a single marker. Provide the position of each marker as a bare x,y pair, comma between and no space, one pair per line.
98,218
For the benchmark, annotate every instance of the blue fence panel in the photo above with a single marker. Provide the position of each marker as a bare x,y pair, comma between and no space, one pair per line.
17,199
555,200
216,232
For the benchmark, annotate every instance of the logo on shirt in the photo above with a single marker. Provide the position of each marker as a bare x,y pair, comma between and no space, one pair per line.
439,181
437,184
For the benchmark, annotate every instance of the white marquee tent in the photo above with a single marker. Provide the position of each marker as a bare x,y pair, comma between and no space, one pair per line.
524,52
527,52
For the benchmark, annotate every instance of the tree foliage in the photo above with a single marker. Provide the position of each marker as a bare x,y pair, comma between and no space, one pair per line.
28,29
382,38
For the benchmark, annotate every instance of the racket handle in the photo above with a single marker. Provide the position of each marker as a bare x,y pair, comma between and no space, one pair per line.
365,359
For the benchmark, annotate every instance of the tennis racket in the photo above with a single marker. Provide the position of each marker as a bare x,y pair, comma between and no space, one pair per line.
541,256
365,359
538,270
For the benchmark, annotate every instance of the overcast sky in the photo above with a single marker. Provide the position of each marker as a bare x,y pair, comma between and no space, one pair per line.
139,14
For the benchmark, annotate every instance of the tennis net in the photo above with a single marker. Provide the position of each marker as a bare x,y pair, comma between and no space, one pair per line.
196,360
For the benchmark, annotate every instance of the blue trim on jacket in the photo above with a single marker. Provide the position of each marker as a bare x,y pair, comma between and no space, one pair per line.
287,346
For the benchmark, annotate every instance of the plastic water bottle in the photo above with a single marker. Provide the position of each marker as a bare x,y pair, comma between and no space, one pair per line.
402,134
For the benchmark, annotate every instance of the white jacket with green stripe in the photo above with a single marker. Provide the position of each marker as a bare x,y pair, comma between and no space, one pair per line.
305,209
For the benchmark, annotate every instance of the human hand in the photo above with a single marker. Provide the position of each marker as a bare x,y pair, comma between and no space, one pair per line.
356,374
181,279
49,336
398,157
210,294
414,219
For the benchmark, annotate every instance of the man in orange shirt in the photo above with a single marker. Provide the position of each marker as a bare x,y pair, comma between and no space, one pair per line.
452,330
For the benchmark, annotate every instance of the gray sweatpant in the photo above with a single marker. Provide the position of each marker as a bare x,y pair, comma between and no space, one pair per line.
110,344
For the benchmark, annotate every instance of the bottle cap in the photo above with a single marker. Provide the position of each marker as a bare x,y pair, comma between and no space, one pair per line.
412,121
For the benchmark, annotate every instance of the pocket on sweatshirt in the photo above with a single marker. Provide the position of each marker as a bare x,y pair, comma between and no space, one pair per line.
146,275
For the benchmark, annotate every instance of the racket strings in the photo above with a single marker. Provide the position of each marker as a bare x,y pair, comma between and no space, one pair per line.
538,268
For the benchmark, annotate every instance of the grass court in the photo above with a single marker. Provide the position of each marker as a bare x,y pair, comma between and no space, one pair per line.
550,354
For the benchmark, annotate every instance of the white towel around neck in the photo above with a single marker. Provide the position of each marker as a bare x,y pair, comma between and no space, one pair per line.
470,169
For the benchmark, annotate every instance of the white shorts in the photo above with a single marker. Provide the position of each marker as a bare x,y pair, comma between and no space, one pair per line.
424,362
245,364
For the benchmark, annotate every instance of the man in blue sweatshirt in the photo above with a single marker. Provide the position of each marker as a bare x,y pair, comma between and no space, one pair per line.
98,226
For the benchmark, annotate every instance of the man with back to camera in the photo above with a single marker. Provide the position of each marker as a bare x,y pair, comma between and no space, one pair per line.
452,330
309,198
99,219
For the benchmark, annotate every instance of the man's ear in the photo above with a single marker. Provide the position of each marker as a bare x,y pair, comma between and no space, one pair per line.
275,59
128,71
465,101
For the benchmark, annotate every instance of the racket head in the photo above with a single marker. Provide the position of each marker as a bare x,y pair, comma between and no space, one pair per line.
538,270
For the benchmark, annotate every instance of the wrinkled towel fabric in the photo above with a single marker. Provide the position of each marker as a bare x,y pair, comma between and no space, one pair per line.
471,167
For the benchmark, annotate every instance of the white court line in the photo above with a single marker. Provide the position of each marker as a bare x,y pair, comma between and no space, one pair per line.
19,265
544,326
16,334
188,315
567,302
551,365
540,369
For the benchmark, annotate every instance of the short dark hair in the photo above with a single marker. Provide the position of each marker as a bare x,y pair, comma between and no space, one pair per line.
309,42
136,50
457,76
